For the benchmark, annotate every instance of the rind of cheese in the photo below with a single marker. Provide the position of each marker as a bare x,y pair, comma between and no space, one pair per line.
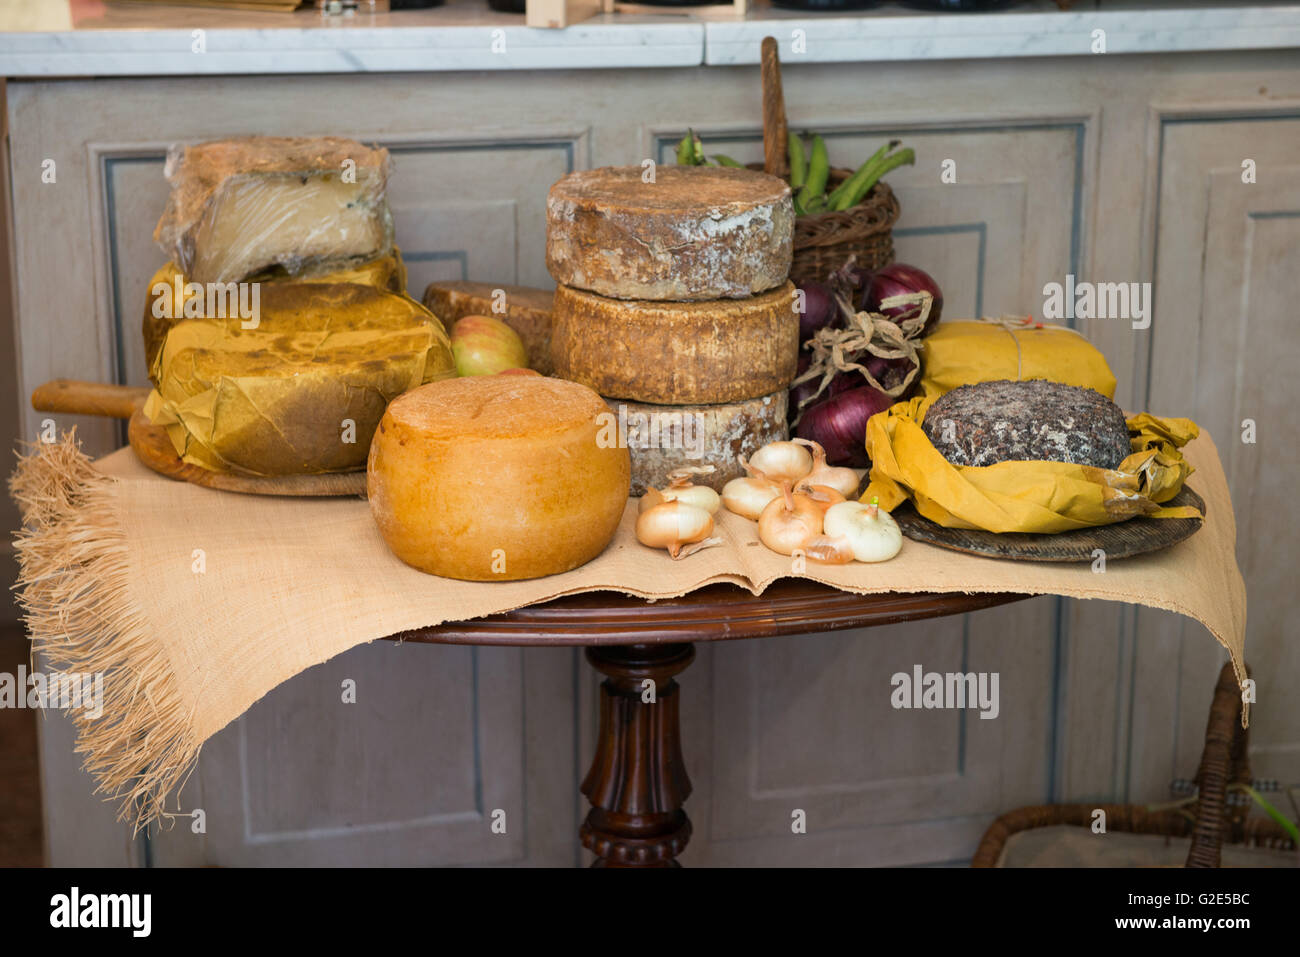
240,206
662,438
676,353
303,391
496,478
695,233
527,312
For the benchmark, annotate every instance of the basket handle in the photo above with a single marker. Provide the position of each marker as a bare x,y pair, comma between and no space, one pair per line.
776,160
1224,761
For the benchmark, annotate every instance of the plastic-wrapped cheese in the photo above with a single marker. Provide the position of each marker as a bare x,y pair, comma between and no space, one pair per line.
497,478
243,205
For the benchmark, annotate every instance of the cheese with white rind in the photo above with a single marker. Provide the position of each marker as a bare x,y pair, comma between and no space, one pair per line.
694,233
676,353
663,438
496,478
241,206
527,312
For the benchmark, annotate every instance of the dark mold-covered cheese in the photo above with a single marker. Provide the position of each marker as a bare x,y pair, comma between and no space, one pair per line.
1036,420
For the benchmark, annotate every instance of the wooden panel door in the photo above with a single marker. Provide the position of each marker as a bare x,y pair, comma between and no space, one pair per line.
1224,351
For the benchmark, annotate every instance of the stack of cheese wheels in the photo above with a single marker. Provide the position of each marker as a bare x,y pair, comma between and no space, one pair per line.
673,303
497,478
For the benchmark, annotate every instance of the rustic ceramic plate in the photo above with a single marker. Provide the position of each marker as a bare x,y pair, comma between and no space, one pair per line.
1137,536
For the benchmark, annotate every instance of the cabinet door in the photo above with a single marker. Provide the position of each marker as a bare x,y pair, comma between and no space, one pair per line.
1224,351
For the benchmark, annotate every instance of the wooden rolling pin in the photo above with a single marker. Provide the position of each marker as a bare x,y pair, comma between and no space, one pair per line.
154,449
88,398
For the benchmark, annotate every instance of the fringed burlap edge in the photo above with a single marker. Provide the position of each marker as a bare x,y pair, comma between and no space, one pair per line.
73,587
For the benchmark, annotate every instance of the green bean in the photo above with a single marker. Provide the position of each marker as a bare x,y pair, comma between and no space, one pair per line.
907,156
798,163
847,187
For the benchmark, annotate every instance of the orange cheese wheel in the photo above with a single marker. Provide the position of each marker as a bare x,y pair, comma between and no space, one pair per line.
497,478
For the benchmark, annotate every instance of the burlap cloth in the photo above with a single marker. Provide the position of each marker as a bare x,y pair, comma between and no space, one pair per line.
195,603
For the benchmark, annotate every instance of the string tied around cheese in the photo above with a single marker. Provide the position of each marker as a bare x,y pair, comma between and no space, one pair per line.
1014,324
836,350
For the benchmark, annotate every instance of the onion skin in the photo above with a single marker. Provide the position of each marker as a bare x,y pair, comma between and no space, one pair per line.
839,424
823,496
830,551
898,279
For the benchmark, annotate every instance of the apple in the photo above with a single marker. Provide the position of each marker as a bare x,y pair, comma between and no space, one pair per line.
483,345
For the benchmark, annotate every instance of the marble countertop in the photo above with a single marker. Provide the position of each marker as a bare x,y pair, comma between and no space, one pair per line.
55,38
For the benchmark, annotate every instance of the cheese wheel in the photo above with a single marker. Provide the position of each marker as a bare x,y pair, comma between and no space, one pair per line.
676,353
496,478
662,438
527,312
696,232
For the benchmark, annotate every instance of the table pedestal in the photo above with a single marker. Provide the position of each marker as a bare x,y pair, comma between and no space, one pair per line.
638,783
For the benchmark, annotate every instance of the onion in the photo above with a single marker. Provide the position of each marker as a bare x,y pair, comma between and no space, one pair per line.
842,382
819,309
870,531
843,481
839,424
790,522
899,279
682,529
749,496
780,462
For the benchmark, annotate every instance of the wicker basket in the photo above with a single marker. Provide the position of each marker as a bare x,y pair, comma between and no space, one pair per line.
823,242
1213,821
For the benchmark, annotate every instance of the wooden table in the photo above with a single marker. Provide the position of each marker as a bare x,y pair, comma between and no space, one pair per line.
638,782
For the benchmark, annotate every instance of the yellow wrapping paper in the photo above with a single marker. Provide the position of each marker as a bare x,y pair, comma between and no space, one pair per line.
303,391
1025,496
966,352
170,290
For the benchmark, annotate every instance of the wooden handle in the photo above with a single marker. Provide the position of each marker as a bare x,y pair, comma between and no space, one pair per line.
88,398
776,160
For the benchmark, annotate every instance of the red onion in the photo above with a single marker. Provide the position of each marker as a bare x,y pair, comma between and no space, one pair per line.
839,424
841,383
819,309
898,279
888,372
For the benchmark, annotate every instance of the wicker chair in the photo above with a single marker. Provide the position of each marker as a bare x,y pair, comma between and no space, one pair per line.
1224,762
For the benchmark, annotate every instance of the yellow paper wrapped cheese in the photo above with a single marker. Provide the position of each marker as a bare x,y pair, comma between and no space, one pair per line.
303,391
966,352
172,297
1021,496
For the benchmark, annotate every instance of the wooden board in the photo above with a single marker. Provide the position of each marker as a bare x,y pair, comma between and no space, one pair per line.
1137,536
152,446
